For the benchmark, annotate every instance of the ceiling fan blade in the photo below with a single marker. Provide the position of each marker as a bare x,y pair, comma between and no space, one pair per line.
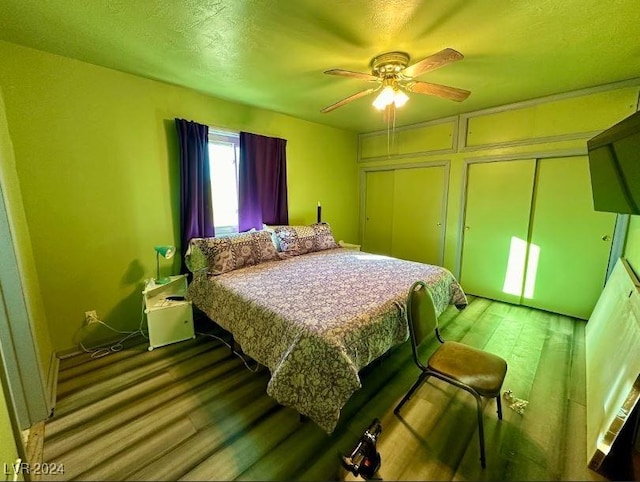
438,90
432,62
349,73
347,100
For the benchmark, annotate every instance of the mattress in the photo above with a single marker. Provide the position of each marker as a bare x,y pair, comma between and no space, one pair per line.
315,320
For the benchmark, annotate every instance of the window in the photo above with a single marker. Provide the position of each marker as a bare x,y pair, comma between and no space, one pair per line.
224,159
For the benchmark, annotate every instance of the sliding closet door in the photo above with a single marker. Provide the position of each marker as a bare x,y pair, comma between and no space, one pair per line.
570,242
379,189
497,210
418,215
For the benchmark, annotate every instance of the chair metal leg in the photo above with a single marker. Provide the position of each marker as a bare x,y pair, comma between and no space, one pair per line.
409,394
483,460
499,403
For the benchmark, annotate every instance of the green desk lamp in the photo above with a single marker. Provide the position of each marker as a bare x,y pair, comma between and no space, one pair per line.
166,252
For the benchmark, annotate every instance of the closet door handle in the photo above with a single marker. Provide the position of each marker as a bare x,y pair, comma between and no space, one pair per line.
466,228
606,237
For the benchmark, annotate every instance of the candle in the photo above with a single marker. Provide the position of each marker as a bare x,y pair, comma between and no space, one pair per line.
319,217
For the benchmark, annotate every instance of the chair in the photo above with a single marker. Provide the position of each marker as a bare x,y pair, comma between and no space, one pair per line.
478,372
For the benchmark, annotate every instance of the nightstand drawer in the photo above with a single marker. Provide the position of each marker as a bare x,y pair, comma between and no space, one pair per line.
170,324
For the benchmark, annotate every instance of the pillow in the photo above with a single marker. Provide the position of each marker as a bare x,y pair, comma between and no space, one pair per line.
274,237
227,253
264,246
297,240
194,258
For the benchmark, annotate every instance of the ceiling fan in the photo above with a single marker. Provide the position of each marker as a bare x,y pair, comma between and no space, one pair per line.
393,74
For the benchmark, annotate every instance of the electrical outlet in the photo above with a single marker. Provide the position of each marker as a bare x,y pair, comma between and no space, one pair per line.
90,317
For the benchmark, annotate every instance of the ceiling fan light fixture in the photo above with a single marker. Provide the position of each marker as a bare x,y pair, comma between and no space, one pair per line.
390,95
400,98
384,98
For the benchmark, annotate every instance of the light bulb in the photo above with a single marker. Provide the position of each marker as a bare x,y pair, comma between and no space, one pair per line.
400,98
384,98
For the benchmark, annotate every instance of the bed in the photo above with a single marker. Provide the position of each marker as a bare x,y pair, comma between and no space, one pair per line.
315,320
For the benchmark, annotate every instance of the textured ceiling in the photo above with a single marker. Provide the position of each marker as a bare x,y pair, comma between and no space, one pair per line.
272,53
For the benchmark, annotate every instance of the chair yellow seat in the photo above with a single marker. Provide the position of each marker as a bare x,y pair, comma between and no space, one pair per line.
482,371
476,371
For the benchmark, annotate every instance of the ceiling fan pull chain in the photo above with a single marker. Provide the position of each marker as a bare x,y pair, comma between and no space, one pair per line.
393,128
388,116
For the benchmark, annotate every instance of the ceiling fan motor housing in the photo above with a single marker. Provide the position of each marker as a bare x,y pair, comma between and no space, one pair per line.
389,64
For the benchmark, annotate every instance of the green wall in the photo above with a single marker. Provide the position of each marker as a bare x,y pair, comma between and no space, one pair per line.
632,247
96,157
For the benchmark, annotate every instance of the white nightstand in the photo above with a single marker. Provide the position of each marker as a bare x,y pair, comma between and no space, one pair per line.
354,247
168,320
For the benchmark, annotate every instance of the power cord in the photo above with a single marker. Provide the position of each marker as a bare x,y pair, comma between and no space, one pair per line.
117,346
238,354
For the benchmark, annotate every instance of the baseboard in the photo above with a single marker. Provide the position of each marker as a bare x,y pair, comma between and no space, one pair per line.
71,352
68,353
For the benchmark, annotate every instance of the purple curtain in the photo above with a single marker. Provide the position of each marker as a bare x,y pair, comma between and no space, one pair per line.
196,211
262,181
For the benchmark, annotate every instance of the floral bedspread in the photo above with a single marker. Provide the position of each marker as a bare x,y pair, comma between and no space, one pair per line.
315,320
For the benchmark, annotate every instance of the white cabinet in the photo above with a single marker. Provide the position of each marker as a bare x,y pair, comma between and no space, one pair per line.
169,315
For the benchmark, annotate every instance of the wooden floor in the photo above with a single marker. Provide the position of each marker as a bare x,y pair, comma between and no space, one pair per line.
193,411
